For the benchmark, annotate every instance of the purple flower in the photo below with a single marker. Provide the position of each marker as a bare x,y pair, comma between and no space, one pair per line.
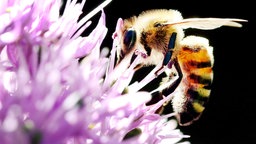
47,96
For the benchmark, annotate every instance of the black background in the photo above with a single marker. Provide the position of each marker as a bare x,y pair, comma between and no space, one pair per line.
229,116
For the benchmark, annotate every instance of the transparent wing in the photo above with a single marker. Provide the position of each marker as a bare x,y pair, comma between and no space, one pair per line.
207,23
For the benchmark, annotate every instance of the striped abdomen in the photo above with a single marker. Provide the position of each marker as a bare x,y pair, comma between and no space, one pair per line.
195,61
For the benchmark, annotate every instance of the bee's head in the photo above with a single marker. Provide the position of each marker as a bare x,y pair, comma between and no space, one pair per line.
148,35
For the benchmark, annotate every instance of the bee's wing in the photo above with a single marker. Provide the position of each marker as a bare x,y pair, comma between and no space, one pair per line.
207,23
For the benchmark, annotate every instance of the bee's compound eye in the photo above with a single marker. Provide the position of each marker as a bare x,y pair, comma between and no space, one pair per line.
129,38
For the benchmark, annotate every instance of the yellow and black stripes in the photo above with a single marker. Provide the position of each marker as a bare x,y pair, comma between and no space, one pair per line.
195,63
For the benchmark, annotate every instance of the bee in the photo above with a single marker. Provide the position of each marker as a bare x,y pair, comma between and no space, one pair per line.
159,35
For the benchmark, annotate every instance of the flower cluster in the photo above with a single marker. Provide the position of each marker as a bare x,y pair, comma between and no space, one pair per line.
49,96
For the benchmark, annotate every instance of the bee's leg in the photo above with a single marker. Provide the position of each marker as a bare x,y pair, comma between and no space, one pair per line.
175,84
168,55
171,46
167,88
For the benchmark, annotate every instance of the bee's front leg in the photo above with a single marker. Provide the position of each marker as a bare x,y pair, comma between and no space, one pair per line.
168,54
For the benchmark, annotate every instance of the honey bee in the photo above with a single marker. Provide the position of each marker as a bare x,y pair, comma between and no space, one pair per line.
159,34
